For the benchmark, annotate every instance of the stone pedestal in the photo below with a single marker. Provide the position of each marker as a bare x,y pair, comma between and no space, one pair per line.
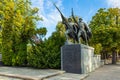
71,58
76,58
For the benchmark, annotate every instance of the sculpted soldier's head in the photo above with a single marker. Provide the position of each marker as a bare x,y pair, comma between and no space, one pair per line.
80,19
69,20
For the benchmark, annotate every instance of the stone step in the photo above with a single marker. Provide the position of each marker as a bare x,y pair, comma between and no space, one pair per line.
28,73
68,76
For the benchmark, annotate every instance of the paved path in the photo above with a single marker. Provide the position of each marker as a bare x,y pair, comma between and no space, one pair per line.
8,78
25,73
68,76
107,72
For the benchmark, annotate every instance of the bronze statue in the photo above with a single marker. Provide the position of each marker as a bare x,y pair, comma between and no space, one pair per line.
75,30
84,31
70,28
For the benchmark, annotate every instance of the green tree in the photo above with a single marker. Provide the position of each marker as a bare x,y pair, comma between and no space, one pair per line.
0,40
40,33
54,44
105,28
18,21
47,53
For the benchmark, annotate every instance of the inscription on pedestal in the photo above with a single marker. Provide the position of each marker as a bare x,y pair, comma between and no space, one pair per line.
71,58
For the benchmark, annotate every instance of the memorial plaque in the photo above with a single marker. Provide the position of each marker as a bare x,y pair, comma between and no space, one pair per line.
71,58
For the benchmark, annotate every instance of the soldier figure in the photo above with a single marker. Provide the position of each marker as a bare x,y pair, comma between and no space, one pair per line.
75,30
71,32
82,31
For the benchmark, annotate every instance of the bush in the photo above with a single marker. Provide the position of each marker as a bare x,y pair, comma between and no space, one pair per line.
46,54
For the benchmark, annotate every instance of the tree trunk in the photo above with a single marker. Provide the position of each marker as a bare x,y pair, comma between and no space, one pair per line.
114,57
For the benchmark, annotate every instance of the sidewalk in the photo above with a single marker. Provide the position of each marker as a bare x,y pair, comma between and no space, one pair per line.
107,72
25,73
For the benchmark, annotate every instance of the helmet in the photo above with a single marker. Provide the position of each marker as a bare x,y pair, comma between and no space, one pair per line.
69,19
80,18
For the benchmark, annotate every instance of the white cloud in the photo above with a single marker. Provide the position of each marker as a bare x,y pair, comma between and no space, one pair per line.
113,3
88,16
49,13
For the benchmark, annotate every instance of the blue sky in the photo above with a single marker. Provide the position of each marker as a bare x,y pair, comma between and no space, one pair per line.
82,8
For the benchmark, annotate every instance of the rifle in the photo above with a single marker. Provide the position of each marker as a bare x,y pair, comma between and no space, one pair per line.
75,20
67,25
64,20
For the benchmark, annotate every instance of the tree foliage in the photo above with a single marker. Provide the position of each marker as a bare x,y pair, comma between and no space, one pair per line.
106,29
47,53
0,41
18,22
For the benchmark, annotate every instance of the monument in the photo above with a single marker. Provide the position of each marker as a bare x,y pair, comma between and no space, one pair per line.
75,56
